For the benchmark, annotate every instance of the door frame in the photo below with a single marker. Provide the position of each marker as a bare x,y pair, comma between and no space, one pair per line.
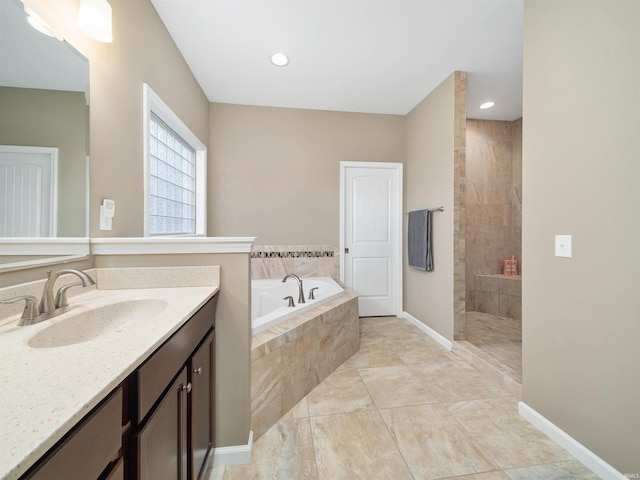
397,229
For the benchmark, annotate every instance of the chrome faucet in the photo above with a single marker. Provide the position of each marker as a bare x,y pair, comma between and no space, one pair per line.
33,313
30,312
300,291
47,304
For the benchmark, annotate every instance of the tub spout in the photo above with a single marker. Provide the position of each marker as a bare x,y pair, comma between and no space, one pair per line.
300,291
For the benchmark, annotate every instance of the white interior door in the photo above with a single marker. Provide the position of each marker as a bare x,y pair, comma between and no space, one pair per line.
371,235
28,191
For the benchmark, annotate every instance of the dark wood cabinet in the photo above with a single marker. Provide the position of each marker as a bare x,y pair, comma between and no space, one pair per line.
161,444
201,411
96,441
174,418
157,425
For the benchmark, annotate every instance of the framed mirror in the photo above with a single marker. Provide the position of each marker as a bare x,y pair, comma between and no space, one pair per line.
44,145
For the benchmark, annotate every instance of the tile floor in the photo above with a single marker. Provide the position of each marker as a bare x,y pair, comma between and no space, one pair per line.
499,337
403,407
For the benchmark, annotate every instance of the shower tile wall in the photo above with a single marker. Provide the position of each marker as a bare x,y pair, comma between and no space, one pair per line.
493,198
276,261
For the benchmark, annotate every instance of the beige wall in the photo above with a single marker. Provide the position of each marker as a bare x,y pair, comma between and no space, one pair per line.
52,118
142,51
429,183
274,172
581,316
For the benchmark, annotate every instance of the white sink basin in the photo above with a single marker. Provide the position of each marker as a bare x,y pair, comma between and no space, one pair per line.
91,324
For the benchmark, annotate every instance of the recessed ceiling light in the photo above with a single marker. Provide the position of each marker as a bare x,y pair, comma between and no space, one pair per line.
486,105
279,59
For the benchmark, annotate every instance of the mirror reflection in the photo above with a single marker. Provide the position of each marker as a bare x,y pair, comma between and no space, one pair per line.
44,86
44,135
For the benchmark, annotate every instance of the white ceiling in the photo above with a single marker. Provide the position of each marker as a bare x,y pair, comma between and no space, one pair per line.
374,56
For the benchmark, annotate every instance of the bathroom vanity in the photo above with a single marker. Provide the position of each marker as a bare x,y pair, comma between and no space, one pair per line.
145,410
158,423
174,426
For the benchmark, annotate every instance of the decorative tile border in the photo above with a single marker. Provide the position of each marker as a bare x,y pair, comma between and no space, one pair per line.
289,254
276,261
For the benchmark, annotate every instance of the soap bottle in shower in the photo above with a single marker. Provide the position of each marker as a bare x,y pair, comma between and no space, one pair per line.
510,267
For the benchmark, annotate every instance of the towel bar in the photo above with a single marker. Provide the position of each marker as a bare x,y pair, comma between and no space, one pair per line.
439,209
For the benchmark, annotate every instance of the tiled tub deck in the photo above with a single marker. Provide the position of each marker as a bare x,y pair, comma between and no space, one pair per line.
290,359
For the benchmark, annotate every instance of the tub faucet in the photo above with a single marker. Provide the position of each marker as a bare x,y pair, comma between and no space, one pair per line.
47,304
300,291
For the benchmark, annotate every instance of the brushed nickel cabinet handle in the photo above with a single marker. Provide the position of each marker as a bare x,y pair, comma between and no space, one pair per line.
197,371
186,387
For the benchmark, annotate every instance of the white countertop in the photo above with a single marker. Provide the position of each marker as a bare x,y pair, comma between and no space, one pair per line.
46,391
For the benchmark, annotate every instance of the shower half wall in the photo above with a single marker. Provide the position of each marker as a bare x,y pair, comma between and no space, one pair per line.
493,215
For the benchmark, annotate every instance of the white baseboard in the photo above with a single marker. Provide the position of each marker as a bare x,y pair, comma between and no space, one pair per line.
570,444
234,455
446,343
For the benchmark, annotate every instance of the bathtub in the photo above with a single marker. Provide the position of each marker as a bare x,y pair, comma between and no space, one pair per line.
268,307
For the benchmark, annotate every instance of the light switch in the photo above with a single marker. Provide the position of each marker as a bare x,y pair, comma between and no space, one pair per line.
563,246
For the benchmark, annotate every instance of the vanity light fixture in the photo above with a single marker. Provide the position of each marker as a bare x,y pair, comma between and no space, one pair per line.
94,19
40,18
486,105
279,59
38,23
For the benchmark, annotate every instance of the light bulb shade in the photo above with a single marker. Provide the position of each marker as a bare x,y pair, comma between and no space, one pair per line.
41,18
94,19
38,23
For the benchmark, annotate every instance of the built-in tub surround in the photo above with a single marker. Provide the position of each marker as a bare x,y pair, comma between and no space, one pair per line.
57,386
290,359
276,261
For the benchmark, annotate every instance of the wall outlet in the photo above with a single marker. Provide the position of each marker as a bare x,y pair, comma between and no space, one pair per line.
563,246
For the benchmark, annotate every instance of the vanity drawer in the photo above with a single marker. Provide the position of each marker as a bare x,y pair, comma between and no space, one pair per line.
156,373
89,448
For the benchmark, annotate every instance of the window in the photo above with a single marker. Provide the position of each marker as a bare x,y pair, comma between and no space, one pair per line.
175,173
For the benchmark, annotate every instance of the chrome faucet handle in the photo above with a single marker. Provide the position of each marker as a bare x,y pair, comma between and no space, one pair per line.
311,293
30,311
299,281
47,303
290,298
61,296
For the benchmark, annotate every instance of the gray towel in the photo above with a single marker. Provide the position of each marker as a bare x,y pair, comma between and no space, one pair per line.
419,240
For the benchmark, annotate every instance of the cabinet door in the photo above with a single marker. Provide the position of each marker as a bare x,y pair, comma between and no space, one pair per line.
201,411
162,442
88,449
